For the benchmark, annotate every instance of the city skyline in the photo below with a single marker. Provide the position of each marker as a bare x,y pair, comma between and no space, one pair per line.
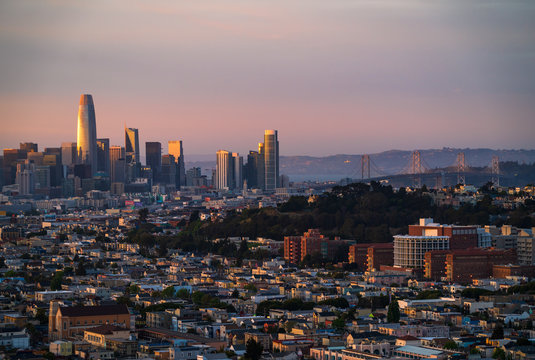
332,77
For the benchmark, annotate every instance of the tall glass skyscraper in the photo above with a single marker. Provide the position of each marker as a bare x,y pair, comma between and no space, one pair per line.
175,149
131,139
224,170
271,159
86,142
103,156
153,156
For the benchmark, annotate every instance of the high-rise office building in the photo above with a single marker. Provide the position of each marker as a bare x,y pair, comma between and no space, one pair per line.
194,177
25,178
176,149
86,141
169,172
117,164
153,155
133,164
103,156
237,168
42,176
228,170
254,169
28,147
131,139
35,157
52,158
11,158
271,159
223,178
68,153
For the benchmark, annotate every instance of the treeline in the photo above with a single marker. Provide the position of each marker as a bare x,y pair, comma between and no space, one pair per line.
367,213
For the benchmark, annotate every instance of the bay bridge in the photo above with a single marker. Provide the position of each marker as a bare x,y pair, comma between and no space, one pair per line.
418,172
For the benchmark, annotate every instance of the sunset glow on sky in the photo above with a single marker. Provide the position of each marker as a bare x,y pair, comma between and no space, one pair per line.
332,76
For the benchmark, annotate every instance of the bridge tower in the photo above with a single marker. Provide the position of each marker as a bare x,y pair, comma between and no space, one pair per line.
365,166
495,171
416,168
461,168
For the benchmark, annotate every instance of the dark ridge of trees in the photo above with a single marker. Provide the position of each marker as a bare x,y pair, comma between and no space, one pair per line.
366,213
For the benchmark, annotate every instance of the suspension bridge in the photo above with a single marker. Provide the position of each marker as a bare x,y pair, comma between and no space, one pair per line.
417,172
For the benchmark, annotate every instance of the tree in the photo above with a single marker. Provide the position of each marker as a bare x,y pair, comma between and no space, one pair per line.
183,294
253,350
251,287
499,354
497,333
339,302
133,289
451,345
41,316
339,324
393,314
80,269
143,214
168,292
57,281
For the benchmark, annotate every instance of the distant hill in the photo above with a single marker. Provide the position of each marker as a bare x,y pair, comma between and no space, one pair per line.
390,162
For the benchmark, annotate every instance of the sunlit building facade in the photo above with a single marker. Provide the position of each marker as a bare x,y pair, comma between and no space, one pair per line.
86,141
131,140
176,149
271,159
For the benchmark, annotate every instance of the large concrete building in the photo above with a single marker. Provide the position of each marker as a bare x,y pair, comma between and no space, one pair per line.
463,266
461,237
371,256
525,246
409,250
296,248
67,321
86,142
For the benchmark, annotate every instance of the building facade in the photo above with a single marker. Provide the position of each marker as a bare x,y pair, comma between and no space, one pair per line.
86,141
461,237
66,322
271,159
409,251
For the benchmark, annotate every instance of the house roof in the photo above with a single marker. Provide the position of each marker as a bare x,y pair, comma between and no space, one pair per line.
100,310
106,329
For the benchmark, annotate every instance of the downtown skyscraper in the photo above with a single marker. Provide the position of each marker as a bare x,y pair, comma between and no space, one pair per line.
86,141
131,140
271,160
175,148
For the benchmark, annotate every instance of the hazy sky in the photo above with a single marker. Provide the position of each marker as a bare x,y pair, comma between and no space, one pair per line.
333,76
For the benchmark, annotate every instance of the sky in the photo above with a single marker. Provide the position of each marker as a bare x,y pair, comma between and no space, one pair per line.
332,76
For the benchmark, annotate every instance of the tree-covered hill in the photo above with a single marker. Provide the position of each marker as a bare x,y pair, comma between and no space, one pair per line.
365,213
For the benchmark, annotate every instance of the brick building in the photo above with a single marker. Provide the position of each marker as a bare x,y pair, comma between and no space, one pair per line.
435,264
358,254
380,255
69,321
465,265
461,237
292,249
503,271
312,242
